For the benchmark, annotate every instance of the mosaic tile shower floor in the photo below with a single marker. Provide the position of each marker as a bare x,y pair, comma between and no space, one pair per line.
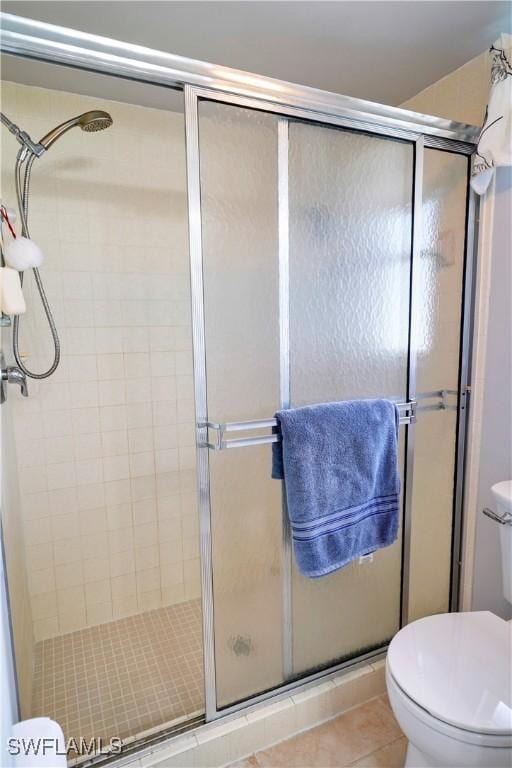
124,677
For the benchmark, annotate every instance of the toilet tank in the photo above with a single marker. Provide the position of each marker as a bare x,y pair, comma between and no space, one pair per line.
502,493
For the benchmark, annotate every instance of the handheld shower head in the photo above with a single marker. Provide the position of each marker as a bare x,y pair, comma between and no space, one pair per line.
95,120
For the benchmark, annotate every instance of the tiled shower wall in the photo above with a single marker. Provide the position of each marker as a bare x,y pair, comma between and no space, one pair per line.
105,447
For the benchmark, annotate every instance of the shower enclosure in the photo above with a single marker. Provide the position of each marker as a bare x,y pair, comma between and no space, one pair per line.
324,268
331,246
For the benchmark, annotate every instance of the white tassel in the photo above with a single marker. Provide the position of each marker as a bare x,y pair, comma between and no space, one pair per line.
23,253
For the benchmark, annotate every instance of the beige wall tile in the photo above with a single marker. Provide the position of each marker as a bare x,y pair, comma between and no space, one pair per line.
71,599
99,613
72,620
97,593
124,606
45,606
44,628
41,582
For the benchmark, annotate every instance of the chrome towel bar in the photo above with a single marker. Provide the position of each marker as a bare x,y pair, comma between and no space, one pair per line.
217,432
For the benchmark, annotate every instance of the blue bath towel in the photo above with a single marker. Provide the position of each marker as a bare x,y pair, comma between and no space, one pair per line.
339,465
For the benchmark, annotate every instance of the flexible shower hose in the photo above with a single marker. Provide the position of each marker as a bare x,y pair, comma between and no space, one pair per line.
22,194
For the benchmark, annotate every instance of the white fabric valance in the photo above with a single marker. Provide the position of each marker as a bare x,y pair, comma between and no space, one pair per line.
495,142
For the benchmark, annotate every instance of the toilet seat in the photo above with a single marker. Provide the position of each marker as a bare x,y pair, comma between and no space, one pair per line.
456,668
431,724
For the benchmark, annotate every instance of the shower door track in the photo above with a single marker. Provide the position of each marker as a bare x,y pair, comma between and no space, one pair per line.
49,43
29,38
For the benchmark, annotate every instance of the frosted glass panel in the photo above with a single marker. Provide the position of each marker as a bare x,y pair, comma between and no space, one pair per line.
239,209
240,256
437,307
438,280
246,534
432,513
350,248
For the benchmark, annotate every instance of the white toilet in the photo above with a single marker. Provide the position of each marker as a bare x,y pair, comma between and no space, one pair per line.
449,680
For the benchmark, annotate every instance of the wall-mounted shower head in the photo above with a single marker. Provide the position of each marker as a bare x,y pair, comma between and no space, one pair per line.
95,120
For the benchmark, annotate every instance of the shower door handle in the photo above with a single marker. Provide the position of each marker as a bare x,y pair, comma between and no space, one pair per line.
10,374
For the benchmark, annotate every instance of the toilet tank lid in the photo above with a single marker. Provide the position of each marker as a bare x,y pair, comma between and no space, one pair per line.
457,667
503,493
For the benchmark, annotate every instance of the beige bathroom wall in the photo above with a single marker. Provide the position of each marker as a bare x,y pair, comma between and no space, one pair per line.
15,559
105,447
461,95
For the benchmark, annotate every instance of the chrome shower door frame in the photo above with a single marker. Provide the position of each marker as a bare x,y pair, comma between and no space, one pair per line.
464,396
419,140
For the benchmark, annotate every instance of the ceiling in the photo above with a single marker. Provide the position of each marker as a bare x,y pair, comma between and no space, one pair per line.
381,51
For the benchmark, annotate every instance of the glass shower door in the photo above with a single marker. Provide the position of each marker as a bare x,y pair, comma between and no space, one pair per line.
238,151
306,258
350,224
438,303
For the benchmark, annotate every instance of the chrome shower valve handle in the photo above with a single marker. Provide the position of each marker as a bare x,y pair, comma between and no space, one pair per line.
10,374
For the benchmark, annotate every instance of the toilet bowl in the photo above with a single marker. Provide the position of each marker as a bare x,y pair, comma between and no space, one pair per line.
449,685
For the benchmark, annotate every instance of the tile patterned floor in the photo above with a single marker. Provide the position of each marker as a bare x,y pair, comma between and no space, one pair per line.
367,737
124,677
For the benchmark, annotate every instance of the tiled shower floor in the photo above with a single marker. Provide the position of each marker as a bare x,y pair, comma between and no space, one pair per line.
124,677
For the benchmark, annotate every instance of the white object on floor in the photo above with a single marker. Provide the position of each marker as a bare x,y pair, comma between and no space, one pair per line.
40,742
448,680
502,493
22,253
12,301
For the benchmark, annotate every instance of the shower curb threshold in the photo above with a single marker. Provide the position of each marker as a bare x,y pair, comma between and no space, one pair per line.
238,736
